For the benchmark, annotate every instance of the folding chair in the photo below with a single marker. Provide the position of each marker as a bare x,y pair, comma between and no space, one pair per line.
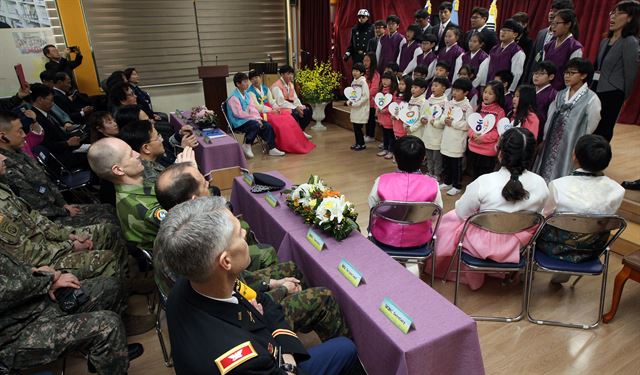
263,144
408,213
502,223
65,179
582,224
163,293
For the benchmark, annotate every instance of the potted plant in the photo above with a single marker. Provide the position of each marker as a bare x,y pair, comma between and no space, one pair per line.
317,86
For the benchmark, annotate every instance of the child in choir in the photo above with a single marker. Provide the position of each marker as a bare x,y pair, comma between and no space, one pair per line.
360,108
421,71
511,189
468,72
482,148
452,50
373,80
507,55
406,184
563,46
389,44
388,85
432,133
428,57
524,109
454,136
403,95
477,58
506,77
418,103
545,93
586,191
410,50
574,113
393,68
442,70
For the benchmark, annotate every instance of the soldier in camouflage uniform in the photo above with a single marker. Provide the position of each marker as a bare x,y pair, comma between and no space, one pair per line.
34,331
30,182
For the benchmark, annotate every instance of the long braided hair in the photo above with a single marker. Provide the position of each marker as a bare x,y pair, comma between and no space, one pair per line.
517,149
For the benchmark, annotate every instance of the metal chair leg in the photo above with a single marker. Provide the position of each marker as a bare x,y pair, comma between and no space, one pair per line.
446,275
167,358
576,281
433,266
455,293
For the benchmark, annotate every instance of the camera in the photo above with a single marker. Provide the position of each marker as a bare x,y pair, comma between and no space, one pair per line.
74,49
70,299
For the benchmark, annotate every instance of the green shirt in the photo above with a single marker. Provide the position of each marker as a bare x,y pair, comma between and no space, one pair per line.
139,213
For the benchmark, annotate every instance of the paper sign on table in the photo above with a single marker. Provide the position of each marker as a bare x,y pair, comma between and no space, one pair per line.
382,100
315,240
248,178
350,272
271,199
398,317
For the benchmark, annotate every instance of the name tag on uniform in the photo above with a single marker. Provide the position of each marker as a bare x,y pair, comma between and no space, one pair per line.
596,76
398,317
42,189
271,199
315,240
350,273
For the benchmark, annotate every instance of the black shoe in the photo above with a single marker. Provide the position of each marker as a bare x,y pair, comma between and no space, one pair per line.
353,147
134,351
359,147
631,185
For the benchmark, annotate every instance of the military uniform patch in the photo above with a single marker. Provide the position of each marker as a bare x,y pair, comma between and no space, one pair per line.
281,331
235,357
160,214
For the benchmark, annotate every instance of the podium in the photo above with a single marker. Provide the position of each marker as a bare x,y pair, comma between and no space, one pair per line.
214,84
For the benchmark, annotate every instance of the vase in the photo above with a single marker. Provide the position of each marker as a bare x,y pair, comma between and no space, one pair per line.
318,116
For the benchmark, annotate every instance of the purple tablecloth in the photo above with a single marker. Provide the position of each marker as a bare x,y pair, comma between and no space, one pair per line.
444,340
223,152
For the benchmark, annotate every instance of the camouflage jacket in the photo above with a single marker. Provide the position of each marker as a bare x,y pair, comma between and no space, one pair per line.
139,213
152,170
22,296
27,235
29,181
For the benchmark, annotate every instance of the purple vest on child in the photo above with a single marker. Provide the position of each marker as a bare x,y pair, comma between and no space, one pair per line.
406,54
451,56
389,49
426,60
560,57
543,100
476,60
406,187
501,59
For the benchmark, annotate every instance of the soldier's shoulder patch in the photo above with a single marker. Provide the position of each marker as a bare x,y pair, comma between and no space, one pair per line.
235,357
160,214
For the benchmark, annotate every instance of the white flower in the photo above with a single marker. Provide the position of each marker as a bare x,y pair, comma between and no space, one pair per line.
334,206
302,193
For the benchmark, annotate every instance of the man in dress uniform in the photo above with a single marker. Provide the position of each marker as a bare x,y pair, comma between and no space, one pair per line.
215,327
360,36
29,181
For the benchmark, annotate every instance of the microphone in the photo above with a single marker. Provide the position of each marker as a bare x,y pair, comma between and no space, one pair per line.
216,59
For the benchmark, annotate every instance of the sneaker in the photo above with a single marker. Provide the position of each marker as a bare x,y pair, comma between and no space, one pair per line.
246,148
353,147
368,139
138,324
380,146
383,153
453,191
389,156
275,152
309,136
359,148
444,186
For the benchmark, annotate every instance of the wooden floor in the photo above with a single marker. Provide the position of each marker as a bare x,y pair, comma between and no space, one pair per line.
516,348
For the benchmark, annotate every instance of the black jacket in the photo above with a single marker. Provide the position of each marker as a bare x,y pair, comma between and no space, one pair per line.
436,29
360,36
490,39
66,66
68,106
55,140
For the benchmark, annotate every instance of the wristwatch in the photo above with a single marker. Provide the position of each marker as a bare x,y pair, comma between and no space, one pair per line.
288,367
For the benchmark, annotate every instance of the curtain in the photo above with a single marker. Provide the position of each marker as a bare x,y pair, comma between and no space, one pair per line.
315,22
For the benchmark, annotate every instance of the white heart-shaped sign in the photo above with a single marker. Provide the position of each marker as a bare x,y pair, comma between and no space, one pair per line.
409,114
455,113
503,125
382,100
394,109
353,94
481,125
436,111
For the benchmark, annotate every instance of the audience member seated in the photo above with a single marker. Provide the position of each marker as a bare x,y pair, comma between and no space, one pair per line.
289,137
114,78
35,331
143,138
142,97
102,125
27,179
10,103
284,94
120,95
46,77
59,142
202,241
245,118
35,134
521,191
407,184
586,191
69,101
62,63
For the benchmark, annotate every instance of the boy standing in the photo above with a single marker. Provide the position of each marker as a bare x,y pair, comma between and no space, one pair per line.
545,93
507,55
432,133
389,44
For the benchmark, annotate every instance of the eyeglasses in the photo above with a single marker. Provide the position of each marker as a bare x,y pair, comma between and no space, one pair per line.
541,73
570,72
363,17
157,139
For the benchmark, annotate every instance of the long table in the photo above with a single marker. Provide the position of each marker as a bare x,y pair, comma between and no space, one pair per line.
443,340
222,152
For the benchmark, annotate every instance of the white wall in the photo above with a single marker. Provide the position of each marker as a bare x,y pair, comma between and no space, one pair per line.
184,97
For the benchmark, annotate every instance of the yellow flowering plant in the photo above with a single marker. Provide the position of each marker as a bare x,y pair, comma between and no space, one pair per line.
319,83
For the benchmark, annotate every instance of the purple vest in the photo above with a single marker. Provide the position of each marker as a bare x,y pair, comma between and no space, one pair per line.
560,57
406,187
426,60
475,61
389,49
501,59
543,100
450,56
472,93
406,54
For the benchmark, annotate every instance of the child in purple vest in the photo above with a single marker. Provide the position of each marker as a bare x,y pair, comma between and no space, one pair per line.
428,57
563,46
410,50
389,44
394,69
467,72
407,184
477,58
507,55
421,71
506,77
452,50
545,93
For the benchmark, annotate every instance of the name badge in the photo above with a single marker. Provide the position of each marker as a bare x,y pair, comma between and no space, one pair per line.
42,189
248,179
398,317
315,240
596,76
350,272
271,199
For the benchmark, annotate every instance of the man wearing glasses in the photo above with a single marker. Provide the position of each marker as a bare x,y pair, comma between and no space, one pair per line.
479,17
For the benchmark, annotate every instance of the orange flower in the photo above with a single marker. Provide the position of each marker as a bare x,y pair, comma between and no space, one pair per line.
331,193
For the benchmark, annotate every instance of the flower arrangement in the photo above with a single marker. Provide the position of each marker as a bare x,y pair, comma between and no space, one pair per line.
203,117
324,207
318,84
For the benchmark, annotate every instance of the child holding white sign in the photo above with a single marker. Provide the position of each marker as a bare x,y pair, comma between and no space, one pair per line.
432,133
483,134
403,96
359,105
413,117
386,95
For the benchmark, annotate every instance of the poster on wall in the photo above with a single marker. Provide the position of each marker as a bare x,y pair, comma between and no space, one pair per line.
22,46
24,14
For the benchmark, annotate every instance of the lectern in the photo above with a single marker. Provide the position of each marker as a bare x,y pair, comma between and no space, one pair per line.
214,83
